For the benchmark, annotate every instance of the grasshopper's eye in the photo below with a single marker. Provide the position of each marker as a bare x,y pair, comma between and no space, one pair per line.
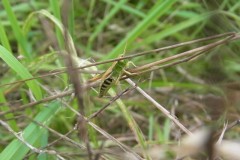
121,55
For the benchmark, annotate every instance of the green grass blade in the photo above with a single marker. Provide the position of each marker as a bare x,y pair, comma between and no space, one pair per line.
127,8
235,7
167,130
43,143
90,11
157,11
17,30
5,108
55,6
71,22
104,22
151,127
3,38
23,8
58,25
174,29
21,71
16,150
132,124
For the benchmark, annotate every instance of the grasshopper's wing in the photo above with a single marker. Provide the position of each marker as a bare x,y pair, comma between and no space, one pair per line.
104,75
95,78
108,71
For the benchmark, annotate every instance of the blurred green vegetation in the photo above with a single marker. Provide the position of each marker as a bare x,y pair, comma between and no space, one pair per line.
202,92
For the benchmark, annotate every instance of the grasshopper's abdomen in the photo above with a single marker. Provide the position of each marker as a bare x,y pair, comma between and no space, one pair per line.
105,86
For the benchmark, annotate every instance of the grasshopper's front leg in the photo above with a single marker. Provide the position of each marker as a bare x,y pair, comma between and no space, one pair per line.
127,72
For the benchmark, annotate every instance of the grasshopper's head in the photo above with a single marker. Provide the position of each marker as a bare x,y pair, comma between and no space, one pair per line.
120,56
123,62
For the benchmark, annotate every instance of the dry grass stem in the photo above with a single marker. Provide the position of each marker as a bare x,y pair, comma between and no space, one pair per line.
180,55
220,139
61,136
110,102
160,107
32,104
105,134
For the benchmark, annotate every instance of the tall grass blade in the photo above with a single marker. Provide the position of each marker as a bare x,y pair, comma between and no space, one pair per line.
15,65
157,11
17,30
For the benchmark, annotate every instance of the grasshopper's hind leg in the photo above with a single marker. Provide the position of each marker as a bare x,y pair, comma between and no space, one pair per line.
128,73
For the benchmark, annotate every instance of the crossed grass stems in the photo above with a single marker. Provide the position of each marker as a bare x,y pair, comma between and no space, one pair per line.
163,63
160,64
193,53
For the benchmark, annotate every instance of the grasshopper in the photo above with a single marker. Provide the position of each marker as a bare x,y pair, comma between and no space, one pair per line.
112,75
116,71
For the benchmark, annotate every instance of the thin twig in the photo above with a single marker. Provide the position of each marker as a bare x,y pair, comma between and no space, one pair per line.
189,76
160,107
110,102
50,98
61,138
59,134
230,126
52,73
222,134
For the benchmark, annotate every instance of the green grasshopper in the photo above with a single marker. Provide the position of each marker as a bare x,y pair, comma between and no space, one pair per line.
112,75
116,71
